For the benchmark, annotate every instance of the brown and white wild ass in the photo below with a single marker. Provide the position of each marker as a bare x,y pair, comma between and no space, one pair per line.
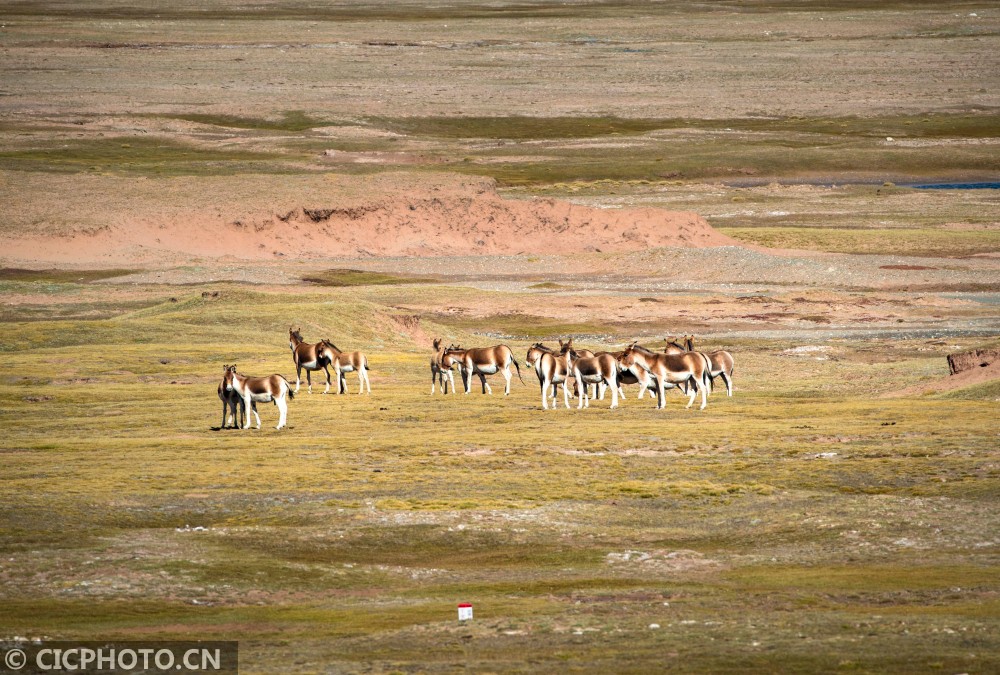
273,388
441,367
231,400
671,369
485,361
309,357
347,362
600,369
720,363
633,374
552,369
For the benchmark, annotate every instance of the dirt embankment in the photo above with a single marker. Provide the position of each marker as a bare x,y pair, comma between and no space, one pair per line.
450,219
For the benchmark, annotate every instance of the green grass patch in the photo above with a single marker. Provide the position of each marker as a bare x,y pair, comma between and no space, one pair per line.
147,156
925,242
291,121
351,277
569,127
60,276
988,391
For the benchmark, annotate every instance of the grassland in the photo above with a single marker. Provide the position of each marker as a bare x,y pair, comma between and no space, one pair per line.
802,525
810,523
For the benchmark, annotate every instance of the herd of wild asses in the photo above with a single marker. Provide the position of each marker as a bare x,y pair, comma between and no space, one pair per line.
676,366
592,373
239,393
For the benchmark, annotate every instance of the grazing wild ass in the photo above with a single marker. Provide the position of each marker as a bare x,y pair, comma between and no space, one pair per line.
346,362
485,361
273,388
441,367
671,369
232,400
309,357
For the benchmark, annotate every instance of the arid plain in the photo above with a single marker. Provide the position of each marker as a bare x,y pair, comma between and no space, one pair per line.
182,183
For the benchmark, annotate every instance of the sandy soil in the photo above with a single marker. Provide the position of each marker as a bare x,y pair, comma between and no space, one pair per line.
454,216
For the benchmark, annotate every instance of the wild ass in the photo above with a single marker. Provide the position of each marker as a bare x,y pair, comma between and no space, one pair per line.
230,400
346,362
720,363
485,361
533,359
600,369
671,369
252,390
309,357
552,368
633,374
441,367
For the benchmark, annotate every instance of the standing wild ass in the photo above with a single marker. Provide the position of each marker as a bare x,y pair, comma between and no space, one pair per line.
485,361
231,400
720,363
600,369
309,357
552,368
671,369
273,388
346,362
441,367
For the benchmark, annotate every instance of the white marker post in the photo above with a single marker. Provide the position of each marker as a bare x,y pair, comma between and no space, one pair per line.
464,612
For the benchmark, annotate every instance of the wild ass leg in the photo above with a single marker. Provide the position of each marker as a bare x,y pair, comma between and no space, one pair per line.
298,377
282,403
545,393
326,369
694,392
246,404
565,389
613,385
225,409
309,381
728,382
506,376
661,394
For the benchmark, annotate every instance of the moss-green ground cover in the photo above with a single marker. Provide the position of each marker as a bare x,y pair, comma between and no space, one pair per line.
803,525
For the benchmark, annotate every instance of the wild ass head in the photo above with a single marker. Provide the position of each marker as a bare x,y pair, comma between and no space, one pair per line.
294,337
673,346
229,374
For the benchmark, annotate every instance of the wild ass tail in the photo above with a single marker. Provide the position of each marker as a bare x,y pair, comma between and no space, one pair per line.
518,368
291,393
